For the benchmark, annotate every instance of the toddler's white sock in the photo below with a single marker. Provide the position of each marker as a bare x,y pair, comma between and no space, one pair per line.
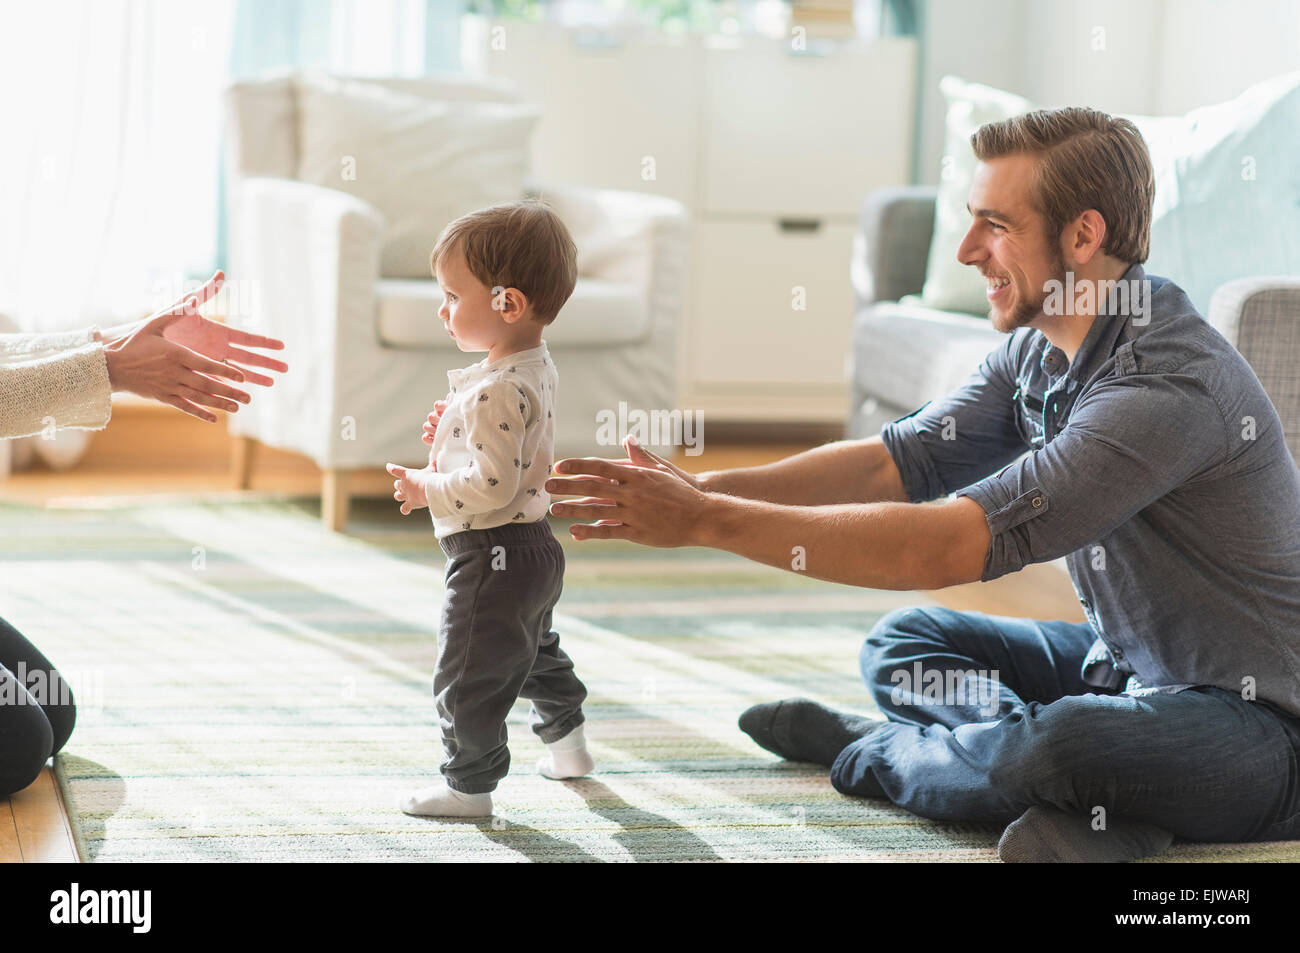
566,758
442,801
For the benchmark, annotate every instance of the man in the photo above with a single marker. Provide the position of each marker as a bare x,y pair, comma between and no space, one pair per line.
1113,427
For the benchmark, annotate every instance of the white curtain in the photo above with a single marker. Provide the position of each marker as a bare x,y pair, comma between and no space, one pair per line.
110,133
111,124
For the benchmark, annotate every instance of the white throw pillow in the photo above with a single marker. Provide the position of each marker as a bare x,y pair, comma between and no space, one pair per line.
950,285
1227,189
421,162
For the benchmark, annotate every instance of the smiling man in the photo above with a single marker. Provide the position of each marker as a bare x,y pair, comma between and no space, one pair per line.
1113,427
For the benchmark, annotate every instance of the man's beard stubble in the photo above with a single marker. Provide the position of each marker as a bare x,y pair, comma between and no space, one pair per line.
1027,312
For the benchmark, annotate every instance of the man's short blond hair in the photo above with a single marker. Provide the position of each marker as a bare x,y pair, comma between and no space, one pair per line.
1087,159
520,245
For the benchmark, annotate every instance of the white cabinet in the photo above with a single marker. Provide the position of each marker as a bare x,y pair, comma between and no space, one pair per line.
768,309
772,151
796,134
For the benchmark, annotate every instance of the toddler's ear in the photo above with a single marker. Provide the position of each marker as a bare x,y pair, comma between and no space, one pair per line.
511,302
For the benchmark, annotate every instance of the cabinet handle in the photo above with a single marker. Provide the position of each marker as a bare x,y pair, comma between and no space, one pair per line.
799,224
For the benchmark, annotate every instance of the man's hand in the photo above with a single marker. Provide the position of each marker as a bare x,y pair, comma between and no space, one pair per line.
644,499
218,341
408,488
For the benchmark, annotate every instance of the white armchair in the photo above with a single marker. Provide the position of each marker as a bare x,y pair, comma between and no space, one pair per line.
368,355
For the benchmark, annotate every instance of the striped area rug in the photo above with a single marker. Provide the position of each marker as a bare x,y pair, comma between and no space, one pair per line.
253,688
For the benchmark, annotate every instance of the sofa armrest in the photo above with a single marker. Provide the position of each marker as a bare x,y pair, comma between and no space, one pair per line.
309,259
892,245
1260,317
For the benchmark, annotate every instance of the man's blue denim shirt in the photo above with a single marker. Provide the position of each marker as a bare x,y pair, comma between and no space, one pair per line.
1156,464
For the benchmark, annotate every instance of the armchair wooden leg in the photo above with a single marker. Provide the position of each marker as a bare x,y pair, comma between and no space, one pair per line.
334,499
241,461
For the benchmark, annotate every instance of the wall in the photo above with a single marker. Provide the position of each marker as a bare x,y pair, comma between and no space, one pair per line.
1157,56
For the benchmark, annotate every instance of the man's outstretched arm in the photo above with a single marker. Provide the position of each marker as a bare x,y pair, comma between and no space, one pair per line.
846,471
873,545
877,545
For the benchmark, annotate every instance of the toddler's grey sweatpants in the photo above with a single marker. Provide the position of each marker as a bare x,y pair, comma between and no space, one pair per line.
496,645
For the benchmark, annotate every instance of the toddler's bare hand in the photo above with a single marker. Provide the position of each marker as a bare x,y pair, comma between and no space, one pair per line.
407,488
431,424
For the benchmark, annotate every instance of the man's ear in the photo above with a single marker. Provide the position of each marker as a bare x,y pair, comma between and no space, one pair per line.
511,302
1084,237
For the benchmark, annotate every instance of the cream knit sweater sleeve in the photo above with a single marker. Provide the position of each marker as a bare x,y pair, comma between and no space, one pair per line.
58,380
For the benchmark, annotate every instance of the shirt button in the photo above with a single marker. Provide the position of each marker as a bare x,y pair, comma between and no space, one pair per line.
1036,502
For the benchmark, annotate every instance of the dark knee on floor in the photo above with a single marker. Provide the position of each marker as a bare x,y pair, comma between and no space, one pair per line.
29,743
62,719
61,712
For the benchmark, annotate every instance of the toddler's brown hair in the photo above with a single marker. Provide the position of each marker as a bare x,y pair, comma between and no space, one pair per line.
520,245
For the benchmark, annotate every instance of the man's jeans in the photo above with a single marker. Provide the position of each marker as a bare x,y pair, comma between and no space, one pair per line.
1202,763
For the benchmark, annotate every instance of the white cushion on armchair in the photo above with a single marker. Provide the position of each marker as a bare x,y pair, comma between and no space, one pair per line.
600,312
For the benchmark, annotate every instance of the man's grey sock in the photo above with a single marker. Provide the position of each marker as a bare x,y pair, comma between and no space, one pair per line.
1047,835
799,729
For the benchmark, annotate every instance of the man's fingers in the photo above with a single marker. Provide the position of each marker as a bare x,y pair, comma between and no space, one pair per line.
256,360
395,470
593,466
601,530
577,486
633,448
587,508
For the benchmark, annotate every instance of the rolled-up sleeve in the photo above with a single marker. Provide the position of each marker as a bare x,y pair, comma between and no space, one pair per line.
1128,442
963,437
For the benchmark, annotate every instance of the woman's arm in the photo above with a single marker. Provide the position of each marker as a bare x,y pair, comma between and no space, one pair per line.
67,389
175,357
19,348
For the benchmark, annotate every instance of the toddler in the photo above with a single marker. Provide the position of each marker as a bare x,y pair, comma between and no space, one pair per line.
505,272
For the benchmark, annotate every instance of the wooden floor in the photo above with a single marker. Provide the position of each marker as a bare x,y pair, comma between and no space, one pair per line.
151,451
34,826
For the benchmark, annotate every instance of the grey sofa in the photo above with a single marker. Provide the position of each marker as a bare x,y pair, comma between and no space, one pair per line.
906,354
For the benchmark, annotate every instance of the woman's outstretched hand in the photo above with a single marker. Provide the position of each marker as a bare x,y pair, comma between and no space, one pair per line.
176,355
218,341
